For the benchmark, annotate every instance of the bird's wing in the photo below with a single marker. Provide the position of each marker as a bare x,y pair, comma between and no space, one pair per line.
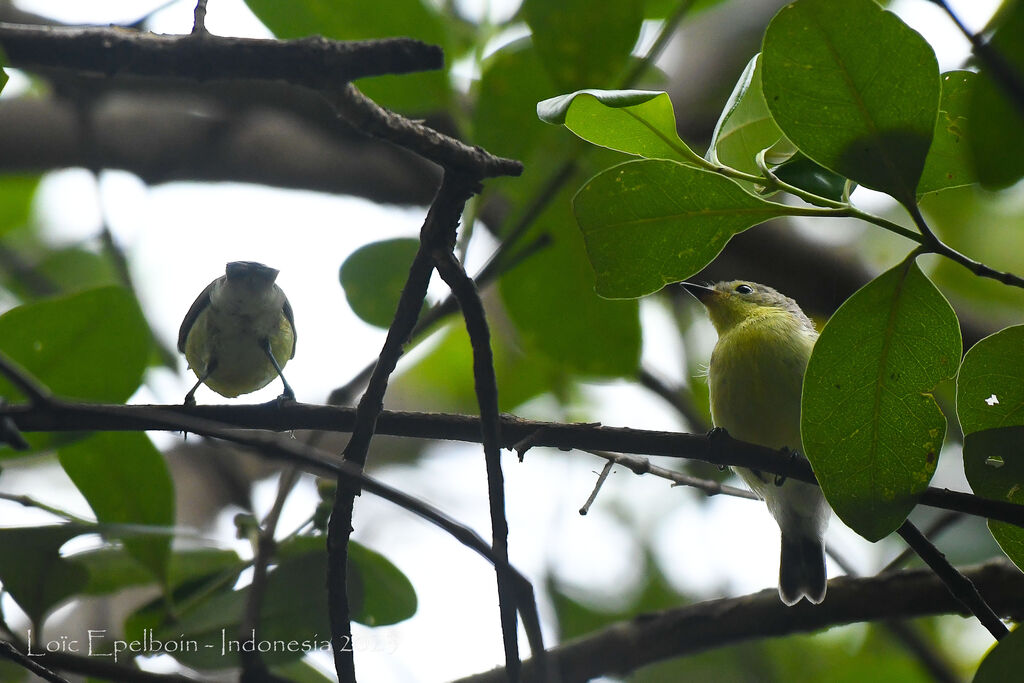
290,317
201,302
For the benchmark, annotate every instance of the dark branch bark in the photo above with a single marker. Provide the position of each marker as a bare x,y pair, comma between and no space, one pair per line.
486,384
314,62
627,646
726,451
367,116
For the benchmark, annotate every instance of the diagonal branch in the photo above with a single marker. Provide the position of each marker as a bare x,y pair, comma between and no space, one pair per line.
958,585
629,645
367,116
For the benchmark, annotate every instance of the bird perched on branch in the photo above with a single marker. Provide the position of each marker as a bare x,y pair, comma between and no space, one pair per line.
239,333
756,377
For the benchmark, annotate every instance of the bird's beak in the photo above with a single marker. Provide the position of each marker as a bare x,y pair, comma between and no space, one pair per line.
700,291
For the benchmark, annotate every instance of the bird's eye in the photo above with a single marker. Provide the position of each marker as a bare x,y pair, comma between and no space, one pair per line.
744,289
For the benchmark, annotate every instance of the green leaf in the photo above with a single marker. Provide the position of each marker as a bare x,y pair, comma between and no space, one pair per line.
805,174
550,299
504,123
869,424
93,345
746,126
855,89
651,222
990,405
294,608
382,593
994,465
995,140
580,46
411,93
639,122
990,385
32,570
112,569
373,277
949,163
125,480
1004,661
16,195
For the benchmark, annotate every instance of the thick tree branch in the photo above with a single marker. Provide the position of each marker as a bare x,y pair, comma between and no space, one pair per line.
314,62
722,451
629,645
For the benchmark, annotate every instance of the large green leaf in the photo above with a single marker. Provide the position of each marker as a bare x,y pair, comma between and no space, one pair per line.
869,423
93,345
990,405
373,277
552,303
639,122
651,222
1004,662
949,163
125,480
995,140
504,120
855,89
348,20
994,465
112,569
581,45
746,126
31,568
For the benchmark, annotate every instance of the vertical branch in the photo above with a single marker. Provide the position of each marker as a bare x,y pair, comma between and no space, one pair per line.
465,292
442,218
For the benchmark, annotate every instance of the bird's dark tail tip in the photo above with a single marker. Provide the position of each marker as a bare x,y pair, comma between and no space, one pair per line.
802,570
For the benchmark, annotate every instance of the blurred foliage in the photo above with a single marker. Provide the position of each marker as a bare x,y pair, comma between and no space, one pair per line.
894,123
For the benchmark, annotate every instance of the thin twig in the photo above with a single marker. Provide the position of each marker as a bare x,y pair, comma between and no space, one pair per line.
601,479
12,653
199,25
640,465
30,502
959,586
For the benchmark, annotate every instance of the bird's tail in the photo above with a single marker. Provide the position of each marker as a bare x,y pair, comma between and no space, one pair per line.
802,569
